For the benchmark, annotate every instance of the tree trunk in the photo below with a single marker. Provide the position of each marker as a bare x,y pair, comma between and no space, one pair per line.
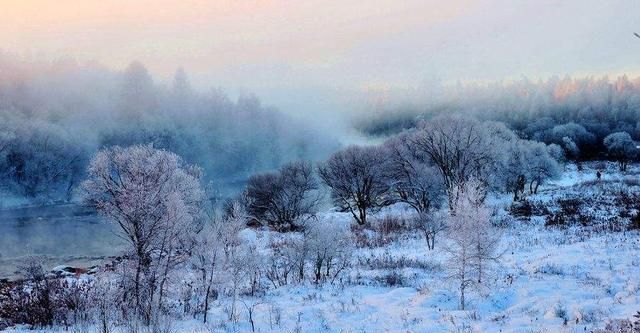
206,303
137,284
363,216
164,279
318,270
301,271
462,287
426,236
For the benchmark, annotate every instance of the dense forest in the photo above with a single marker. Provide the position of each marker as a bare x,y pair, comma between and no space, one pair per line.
584,109
55,115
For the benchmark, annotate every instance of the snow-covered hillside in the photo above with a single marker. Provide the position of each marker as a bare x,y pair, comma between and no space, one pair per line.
573,277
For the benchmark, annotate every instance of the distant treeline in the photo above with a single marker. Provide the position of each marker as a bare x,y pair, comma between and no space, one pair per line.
585,110
55,115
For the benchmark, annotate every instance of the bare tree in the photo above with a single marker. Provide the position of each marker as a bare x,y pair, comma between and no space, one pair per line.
356,178
431,225
282,198
460,148
413,179
153,197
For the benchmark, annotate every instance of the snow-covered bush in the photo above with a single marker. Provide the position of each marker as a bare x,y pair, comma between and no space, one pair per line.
286,262
330,252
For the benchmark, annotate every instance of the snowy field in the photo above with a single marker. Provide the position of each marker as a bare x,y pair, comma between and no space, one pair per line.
543,286
571,278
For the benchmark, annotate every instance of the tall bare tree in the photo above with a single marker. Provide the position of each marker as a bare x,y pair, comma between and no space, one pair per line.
412,177
460,148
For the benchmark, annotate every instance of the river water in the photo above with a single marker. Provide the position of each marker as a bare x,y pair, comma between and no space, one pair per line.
62,235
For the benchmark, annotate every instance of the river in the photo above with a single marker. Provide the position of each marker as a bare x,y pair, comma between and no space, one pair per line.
62,235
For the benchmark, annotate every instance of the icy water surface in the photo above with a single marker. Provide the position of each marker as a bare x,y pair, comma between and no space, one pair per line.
62,234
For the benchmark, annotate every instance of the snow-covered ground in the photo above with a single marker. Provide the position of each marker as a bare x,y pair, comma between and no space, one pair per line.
550,279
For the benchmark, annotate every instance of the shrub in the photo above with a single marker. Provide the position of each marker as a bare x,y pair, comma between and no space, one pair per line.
570,207
389,262
521,208
390,224
392,279
554,220
634,222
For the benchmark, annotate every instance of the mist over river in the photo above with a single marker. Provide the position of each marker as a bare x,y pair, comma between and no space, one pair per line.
62,234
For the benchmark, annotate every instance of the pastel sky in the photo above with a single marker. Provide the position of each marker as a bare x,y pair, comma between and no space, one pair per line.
294,52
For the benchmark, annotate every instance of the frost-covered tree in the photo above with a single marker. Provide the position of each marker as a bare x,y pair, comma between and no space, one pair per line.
541,164
216,243
577,133
282,198
557,153
472,241
571,149
523,162
356,179
241,271
206,260
329,250
511,168
153,197
621,146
